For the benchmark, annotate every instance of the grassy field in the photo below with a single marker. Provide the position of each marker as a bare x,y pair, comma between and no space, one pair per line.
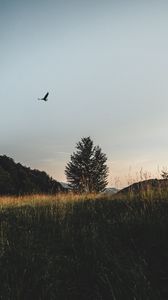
83,248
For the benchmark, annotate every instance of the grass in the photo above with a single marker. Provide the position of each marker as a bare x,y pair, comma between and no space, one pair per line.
83,247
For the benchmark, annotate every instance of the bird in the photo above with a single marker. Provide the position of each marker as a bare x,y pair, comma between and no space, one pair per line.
45,97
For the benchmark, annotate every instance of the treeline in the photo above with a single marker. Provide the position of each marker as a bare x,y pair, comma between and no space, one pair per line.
16,179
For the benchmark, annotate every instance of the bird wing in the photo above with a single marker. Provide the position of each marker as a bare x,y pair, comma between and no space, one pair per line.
46,95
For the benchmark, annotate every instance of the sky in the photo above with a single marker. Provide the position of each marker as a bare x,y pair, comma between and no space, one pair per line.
105,65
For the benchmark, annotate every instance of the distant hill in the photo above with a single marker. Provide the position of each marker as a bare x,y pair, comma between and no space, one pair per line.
66,186
144,186
107,191
110,191
16,179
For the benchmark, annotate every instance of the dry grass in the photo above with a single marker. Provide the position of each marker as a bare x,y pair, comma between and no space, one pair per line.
71,246
39,199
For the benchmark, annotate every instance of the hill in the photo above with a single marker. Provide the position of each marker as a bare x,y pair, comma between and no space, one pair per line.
110,191
66,186
150,185
16,179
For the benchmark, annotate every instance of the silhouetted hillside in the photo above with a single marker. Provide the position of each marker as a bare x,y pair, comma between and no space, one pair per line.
16,179
145,186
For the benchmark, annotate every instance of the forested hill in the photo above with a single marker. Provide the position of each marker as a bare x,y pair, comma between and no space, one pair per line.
16,179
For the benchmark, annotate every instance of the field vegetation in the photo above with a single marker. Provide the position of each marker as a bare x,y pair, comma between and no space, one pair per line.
86,247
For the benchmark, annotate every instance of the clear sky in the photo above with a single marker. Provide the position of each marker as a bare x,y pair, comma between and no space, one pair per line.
105,64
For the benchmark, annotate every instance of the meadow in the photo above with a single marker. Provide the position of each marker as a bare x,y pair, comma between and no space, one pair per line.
87,247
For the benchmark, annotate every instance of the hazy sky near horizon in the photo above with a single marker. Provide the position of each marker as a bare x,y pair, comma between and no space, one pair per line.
105,64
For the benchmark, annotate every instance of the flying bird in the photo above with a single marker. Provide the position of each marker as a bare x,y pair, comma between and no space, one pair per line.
45,97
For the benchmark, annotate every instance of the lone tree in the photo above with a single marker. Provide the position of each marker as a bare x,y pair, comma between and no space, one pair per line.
87,171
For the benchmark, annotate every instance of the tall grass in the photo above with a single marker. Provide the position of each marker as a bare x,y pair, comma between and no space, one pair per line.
39,199
88,248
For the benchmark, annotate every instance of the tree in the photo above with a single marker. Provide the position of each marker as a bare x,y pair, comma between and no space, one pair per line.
87,171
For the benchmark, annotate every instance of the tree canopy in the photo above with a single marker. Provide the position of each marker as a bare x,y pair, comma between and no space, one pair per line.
87,171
